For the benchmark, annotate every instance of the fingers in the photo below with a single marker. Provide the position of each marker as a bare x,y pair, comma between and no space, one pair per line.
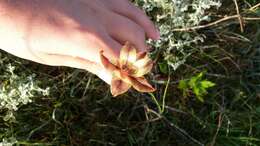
76,62
129,10
123,29
80,43
141,18
110,46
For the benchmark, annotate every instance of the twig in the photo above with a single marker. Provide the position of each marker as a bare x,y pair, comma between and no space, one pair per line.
206,25
175,110
239,17
37,129
219,126
252,18
172,125
254,7
216,22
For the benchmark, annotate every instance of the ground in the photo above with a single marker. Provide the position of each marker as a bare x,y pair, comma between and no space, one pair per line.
207,75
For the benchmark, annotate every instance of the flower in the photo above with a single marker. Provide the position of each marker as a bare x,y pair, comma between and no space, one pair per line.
129,70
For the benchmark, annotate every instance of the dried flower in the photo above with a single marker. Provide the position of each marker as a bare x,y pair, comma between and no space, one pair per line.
129,70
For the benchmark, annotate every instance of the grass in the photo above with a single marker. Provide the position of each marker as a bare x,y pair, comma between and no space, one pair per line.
81,111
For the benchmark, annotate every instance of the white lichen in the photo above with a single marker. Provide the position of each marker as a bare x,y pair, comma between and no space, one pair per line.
17,90
8,141
172,14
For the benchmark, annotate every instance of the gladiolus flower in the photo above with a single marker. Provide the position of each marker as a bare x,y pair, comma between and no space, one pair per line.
129,70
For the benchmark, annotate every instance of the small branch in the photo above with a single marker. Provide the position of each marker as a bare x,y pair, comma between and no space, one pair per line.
252,18
239,17
172,125
219,126
216,22
175,110
254,7
206,25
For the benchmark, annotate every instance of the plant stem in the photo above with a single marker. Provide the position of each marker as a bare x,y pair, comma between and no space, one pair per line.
165,92
156,102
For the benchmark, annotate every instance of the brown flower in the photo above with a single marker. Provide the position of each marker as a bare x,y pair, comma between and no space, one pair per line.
129,70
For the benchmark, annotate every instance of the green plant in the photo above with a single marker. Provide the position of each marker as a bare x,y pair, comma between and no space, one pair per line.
197,84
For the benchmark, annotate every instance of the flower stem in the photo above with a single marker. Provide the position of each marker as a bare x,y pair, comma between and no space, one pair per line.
156,102
161,107
164,93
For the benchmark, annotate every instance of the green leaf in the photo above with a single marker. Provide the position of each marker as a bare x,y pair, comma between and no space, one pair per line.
196,91
207,84
200,98
163,67
192,82
183,85
199,93
200,75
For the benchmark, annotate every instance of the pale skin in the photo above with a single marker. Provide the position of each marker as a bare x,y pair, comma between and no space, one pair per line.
72,32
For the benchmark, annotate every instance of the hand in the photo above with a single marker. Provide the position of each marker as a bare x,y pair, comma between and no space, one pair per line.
72,32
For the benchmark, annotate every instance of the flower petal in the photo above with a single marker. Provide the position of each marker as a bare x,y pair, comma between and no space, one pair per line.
143,81
140,55
132,55
144,70
140,84
127,54
142,60
118,86
106,63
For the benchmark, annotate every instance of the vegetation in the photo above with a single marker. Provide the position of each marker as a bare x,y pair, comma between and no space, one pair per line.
207,76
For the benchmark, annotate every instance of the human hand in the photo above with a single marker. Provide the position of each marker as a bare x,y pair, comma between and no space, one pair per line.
72,33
